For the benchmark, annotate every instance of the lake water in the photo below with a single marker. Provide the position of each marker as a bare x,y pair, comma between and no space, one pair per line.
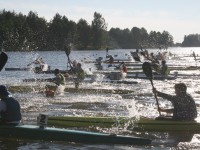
141,103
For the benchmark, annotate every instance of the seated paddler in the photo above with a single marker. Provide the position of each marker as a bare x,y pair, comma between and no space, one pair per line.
183,105
10,109
59,86
164,69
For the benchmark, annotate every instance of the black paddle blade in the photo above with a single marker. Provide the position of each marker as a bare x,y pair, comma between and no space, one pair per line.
3,60
67,50
146,66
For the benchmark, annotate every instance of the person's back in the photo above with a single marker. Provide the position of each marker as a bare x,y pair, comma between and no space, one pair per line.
80,72
12,113
184,108
184,105
10,110
80,75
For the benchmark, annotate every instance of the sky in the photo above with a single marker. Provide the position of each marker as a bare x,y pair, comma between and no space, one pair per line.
178,17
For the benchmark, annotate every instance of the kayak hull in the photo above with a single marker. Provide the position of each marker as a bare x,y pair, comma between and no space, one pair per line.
141,124
72,90
33,132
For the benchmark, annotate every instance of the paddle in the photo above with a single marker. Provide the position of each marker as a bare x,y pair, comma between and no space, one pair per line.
146,66
67,52
33,61
3,60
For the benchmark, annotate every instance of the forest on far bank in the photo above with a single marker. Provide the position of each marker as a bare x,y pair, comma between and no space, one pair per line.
28,33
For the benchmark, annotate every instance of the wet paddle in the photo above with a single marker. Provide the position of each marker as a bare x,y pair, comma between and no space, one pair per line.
67,52
3,60
146,66
33,61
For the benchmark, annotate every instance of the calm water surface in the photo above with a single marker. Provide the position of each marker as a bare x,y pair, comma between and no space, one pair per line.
142,102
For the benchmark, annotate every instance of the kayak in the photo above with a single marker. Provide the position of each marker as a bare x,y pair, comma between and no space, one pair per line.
136,124
87,81
155,77
34,132
171,68
36,88
35,70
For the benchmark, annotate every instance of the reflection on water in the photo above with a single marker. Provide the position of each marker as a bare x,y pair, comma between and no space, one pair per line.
139,103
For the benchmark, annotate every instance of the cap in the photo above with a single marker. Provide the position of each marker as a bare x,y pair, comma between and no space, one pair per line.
3,90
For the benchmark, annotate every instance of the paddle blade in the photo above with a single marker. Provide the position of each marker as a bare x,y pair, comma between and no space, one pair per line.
3,60
146,66
67,50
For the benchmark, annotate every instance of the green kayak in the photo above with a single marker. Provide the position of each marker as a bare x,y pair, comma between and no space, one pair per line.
141,124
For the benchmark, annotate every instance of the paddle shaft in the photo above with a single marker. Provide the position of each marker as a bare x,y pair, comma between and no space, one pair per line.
33,61
155,95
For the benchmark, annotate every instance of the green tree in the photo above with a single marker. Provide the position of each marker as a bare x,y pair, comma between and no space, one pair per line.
37,31
98,29
192,40
83,34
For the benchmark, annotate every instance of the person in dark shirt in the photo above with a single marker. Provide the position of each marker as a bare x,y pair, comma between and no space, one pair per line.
184,105
79,75
10,110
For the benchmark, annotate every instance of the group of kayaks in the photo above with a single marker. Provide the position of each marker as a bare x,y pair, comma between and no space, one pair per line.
55,130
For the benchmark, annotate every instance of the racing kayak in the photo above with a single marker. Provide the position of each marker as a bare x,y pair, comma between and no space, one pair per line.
68,89
137,124
35,70
87,81
171,68
155,77
34,132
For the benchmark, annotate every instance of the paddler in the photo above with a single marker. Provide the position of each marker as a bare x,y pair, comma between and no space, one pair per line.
42,65
164,69
59,80
123,70
110,61
80,75
10,111
183,103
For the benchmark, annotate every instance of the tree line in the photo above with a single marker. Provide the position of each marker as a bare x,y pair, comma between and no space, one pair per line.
19,32
191,40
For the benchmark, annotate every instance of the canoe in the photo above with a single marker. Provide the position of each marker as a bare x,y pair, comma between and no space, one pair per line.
141,124
34,132
36,88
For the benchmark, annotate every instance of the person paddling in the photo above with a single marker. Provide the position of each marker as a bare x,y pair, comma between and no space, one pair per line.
183,103
164,69
110,61
59,80
80,75
10,110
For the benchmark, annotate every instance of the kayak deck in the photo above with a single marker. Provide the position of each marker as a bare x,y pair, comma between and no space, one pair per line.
33,132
